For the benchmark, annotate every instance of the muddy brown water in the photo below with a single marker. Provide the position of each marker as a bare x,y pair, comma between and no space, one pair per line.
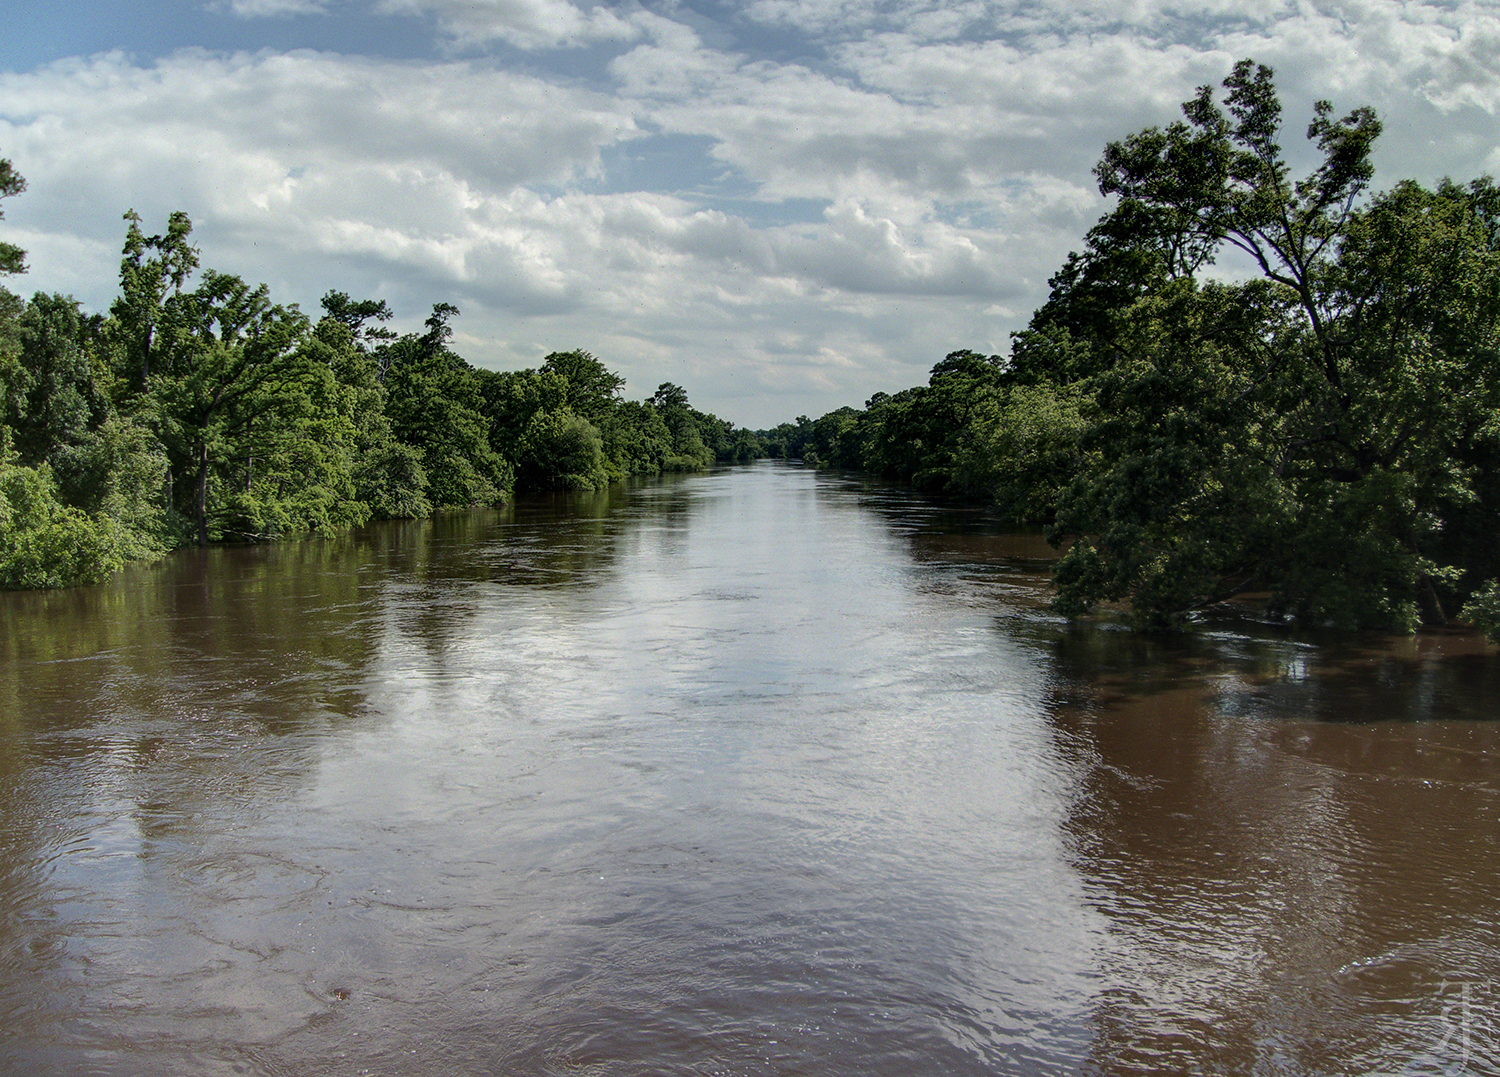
760,771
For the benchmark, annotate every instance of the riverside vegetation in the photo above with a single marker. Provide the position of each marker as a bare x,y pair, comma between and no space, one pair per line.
199,411
1318,427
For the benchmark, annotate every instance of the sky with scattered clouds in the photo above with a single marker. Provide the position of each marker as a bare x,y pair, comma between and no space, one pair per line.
782,205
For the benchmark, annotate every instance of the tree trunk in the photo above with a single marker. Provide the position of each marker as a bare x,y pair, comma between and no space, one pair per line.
1428,602
201,498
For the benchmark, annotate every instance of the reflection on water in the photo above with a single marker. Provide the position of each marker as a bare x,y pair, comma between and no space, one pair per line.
1295,846
755,772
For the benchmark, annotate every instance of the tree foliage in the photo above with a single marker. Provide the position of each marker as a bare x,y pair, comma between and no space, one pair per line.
12,258
1317,426
200,411
435,404
1303,433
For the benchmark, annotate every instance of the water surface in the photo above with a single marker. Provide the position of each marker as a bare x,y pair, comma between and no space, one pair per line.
761,771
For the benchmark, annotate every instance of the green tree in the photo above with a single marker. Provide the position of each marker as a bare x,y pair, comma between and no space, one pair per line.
355,316
1024,449
787,441
150,318
1215,181
689,451
234,382
13,379
592,391
562,451
221,374
533,425
1314,434
435,404
12,258
388,475
510,399
636,440
58,394
44,543
923,435
61,417
121,478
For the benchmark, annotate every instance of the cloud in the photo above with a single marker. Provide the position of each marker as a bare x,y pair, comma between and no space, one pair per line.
261,9
526,24
1463,68
803,233
449,177
298,146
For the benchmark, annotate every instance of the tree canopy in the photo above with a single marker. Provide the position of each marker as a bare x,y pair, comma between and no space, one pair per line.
1250,382
12,258
199,410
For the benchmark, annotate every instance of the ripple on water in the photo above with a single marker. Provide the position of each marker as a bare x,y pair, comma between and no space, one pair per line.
763,771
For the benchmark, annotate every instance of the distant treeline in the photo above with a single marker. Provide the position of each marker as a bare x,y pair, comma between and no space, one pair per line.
1318,433
198,411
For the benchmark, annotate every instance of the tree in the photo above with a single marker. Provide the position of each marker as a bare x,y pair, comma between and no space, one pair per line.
1222,179
12,258
1024,449
689,452
636,440
562,451
920,434
58,396
593,389
353,316
435,404
233,381
44,543
219,372
149,316
389,479
1215,181
1313,434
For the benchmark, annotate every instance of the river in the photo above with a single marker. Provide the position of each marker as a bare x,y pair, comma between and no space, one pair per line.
758,771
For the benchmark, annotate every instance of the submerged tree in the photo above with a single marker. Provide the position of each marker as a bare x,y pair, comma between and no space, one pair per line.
257,432
1313,433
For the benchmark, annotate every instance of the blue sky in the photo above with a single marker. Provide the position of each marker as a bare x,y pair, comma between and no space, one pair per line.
783,205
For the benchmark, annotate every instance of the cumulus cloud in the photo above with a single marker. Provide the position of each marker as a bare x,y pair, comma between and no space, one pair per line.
299,148
527,24
260,9
1464,66
904,187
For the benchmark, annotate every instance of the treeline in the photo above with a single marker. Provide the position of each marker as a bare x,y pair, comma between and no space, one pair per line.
197,410
1318,429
